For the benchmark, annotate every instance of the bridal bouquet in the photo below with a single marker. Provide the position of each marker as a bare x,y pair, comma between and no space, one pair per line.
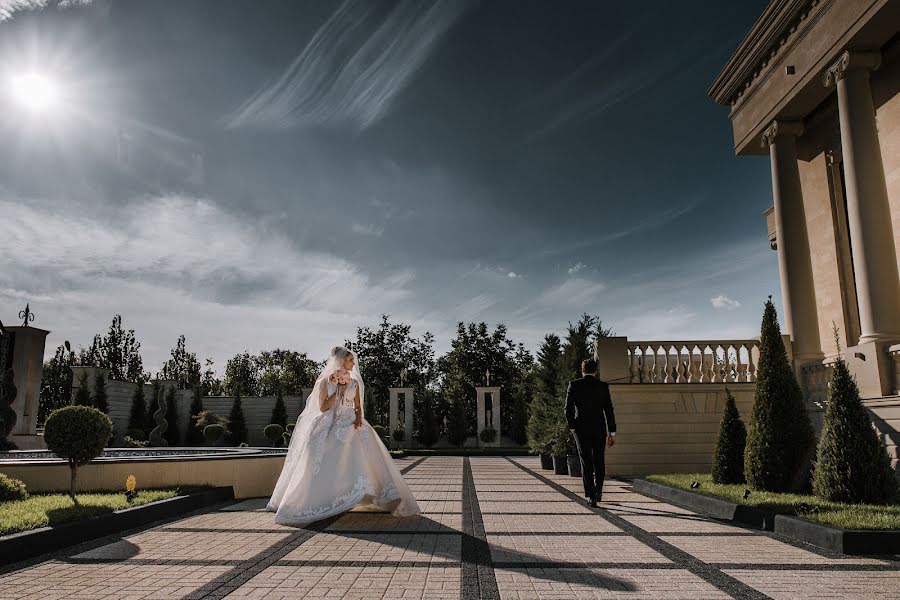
340,377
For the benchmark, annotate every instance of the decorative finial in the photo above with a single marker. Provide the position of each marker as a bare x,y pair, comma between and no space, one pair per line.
403,377
26,315
487,377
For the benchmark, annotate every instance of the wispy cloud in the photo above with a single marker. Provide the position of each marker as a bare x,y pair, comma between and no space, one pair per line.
577,268
724,302
8,8
368,229
513,275
353,68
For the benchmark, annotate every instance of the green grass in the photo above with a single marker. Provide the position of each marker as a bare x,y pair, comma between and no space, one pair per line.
41,510
835,514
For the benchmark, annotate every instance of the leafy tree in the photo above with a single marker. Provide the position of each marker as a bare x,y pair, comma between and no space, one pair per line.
728,460
118,351
137,418
237,424
279,413
383,354
852,464
780,438
183,367
194,434
82,392
284,370
520,391
428,427
547,383
457,428
242,375
210,384
56,382
100,399
172,435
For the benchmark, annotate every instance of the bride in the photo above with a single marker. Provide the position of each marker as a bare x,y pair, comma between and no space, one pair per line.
335,460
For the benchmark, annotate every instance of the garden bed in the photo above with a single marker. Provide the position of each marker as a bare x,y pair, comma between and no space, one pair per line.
846,528
47,522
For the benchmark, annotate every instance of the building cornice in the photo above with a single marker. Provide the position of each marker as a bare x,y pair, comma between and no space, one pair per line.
778,22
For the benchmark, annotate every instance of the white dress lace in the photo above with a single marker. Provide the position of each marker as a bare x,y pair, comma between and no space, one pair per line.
340,467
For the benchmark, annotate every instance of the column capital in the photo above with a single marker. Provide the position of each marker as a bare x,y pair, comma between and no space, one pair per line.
851,61
779,128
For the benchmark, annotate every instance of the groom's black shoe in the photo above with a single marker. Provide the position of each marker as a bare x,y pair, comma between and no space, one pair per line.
593,502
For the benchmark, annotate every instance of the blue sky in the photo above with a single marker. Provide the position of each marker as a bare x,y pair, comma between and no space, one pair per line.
260,174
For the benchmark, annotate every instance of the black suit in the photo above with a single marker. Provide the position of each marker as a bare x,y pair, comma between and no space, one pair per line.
589,412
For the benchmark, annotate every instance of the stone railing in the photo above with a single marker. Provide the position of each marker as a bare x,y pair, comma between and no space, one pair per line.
814,379
706,361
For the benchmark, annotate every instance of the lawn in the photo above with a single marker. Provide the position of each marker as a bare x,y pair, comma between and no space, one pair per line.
835,514
41,510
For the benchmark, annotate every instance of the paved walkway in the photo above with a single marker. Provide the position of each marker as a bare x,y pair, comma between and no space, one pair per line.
492,528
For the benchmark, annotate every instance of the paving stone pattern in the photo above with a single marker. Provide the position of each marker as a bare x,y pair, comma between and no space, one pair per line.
491,528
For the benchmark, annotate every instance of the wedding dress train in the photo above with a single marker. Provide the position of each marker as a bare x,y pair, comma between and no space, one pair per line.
331,466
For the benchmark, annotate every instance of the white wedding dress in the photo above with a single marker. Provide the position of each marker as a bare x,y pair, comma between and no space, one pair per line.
332,467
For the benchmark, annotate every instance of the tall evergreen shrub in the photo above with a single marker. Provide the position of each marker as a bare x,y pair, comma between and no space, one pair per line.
101,399
194,434
728,460
279,413
237,424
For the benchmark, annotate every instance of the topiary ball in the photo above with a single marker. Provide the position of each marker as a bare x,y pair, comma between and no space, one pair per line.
399,435
488,435
213,433
12,489
273,432
290,428
381,431
77,434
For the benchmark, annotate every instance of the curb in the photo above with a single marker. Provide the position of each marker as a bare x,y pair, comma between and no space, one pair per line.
845,541
28,544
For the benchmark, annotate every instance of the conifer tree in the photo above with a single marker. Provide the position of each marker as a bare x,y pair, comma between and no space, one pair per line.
728,460
428,432
82,392
137,419
173,437
237,425
194,435
279,413
457,431
780,439
100,400
852,464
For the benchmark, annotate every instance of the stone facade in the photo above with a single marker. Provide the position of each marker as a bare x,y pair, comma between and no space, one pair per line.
815,86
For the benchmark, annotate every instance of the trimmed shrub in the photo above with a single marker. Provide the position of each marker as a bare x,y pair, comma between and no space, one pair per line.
428,432
237,424
399,434
100,399
290,427
173,437
8,416
274,433
131,442
77,434
488,435
194,435
213,433
780,439
82,392
137,418
12,489
728,460
157,436
852,464
279,413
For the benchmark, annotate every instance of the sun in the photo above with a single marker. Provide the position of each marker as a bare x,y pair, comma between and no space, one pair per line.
34,91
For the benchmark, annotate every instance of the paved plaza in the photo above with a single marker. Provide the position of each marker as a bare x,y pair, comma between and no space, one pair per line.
491,528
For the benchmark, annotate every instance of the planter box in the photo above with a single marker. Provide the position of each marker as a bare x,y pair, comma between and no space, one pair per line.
546,462
28,544
574,465
845,541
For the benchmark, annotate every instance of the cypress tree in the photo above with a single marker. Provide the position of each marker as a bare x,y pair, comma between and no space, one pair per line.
237,425
137,419
852,464
158,434
82,392
279,413
152,406
194,435
428,433
173,437
728,460
780,439
101,401
457,432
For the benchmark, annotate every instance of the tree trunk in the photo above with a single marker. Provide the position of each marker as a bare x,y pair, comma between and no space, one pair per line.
74,470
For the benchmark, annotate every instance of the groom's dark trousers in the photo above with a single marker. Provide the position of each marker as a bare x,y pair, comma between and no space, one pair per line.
589,413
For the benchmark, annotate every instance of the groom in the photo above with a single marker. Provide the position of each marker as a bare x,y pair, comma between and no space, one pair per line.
589,413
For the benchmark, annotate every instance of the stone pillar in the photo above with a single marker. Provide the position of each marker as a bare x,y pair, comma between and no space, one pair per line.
485,419
868,211
800,315
393,415
611,354
27,363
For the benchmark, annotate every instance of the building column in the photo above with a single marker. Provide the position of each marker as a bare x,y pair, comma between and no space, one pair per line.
868,210
798,294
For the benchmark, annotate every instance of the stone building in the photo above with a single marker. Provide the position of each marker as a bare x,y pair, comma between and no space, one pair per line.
814,84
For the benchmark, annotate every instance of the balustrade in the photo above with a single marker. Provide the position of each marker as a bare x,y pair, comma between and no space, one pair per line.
721,361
